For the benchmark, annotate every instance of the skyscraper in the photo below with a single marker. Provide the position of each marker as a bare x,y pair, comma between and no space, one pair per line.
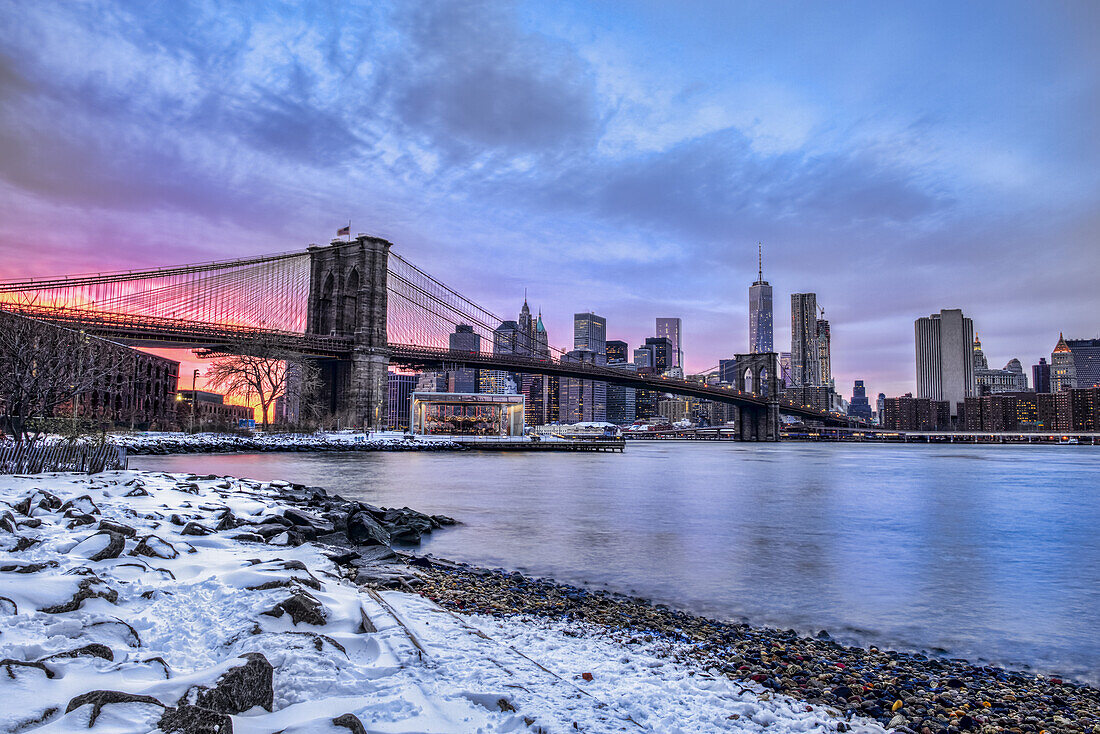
824,351
1086,361
582,400
1040,375
671,328
805,360
880,407
616,351
465,339
860,406
945,357
663,353
1063,370
760,311
590,332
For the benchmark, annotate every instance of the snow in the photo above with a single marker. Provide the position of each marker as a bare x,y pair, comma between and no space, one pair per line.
162,442
184,621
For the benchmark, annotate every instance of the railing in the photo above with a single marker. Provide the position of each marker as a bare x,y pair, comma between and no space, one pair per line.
34,459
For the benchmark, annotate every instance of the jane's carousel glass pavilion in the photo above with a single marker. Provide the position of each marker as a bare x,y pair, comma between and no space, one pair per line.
466,414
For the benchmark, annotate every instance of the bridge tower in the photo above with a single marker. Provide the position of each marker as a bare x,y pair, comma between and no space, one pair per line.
758,374
347,298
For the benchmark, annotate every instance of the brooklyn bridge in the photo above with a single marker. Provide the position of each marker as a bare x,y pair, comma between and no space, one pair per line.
356,308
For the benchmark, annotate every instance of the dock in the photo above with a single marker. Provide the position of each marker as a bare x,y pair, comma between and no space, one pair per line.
582,444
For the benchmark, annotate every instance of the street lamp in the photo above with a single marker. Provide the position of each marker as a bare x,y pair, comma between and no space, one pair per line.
194,402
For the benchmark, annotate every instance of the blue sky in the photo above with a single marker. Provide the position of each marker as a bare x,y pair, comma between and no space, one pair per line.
624,157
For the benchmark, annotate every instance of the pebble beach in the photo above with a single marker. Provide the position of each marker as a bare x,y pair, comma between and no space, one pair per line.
904,691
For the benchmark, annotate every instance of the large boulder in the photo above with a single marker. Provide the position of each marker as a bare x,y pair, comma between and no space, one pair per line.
365,530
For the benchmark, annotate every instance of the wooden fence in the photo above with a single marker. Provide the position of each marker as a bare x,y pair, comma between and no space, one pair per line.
32,459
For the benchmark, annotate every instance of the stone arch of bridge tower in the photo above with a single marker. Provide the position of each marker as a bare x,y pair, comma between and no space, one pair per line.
348,299
350,315
326,324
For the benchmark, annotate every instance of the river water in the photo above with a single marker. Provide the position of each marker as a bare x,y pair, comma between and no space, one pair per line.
991,553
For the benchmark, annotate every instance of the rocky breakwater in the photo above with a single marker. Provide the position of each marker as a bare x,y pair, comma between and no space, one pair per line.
311,514
228,444
907,692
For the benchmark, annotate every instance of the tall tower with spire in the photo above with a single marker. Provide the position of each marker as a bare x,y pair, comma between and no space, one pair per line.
1063,370
760,309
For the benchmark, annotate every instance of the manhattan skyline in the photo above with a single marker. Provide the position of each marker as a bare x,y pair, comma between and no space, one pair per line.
622,159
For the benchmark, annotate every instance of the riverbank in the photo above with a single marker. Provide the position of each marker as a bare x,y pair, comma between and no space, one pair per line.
157,444
138,601
903,691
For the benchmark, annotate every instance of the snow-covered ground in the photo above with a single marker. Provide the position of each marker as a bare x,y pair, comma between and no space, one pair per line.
180,627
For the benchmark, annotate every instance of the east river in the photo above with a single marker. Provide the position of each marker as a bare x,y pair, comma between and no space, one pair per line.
989,553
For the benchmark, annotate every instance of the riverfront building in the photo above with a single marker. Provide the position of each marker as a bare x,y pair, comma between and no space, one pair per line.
945,361
400,390
1086,361
760,312
137,389
210,411
992,381
860,406
1040,375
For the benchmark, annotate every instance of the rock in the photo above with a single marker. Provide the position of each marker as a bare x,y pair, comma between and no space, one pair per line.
9,663
405,534
194,720
301,607
112,546
193,528
238,689
91,650
897,721
365,530
39,499
27,567
91,588
155,547
99,699
228,521
350,721
83,506
304,519
248,538
7,522
116,527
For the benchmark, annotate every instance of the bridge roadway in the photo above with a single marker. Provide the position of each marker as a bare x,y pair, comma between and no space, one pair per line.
429,357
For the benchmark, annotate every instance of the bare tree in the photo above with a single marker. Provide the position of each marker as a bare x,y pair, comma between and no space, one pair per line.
44,367
260,369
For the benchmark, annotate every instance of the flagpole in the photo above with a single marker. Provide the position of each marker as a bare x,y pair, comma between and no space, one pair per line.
349,230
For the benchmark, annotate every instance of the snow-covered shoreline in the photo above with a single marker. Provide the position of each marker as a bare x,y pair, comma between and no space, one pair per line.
223,443
123,583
